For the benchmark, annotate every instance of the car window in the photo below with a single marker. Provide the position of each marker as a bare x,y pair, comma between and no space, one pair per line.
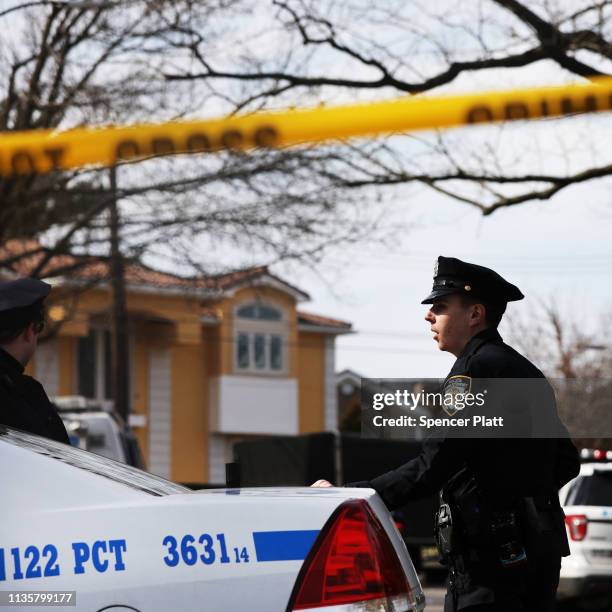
595,490
95,464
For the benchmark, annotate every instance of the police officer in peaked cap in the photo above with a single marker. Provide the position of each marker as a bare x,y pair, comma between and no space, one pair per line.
23,402
500,528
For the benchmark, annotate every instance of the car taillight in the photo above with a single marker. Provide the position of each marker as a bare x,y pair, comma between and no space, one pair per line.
352,562
577,526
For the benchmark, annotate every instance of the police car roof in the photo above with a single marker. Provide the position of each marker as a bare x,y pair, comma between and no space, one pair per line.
588,469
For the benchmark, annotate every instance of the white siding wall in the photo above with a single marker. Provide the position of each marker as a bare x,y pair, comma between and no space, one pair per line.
331,395
46,367
254,405
216,459
159,412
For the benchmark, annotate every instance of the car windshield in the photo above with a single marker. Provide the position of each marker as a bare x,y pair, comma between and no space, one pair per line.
595,490
95,464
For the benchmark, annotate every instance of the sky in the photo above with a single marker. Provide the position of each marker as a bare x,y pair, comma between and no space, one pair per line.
561,249
558,249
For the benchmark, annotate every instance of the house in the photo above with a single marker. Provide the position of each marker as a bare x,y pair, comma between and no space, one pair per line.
214,360
355,392
348,388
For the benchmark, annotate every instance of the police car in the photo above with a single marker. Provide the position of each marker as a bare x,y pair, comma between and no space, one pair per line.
587,503
90,531
95,428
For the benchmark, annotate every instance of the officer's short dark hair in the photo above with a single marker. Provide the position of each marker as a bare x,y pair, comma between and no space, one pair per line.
494,311
13,322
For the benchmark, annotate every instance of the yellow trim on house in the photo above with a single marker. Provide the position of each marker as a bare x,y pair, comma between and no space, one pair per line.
199,350
312,383
189,414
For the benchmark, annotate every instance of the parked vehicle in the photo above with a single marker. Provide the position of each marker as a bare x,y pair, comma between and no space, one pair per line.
96,429
586,575
113,537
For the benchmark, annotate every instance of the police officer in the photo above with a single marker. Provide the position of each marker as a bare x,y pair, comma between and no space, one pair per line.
23,401
500,524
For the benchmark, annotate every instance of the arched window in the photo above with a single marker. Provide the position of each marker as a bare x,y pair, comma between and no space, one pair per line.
261,312
260,339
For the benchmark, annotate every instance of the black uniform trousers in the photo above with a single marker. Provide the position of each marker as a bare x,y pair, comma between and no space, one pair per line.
534,590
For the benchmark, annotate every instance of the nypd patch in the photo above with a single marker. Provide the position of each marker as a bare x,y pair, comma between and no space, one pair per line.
455,390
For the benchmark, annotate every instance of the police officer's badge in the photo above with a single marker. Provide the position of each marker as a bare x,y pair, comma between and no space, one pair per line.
454,392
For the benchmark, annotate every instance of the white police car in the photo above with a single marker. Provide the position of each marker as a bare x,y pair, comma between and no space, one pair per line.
122,539
587,503
92,427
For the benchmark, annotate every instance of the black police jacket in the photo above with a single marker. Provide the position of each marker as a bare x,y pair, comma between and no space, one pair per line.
503,467
24,403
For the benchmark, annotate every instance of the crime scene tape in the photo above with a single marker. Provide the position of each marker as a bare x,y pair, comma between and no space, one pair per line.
24,153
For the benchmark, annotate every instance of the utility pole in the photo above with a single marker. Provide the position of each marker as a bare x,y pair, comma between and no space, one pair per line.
120,344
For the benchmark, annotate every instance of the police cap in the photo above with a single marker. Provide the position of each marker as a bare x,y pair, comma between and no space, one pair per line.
21,293
455,276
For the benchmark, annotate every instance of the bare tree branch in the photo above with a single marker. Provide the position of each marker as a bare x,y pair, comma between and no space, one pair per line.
99,62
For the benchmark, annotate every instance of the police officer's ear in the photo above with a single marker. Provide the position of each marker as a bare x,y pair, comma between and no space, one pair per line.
31,331
478,314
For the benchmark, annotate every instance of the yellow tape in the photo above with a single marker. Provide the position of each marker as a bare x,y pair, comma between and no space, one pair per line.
43,151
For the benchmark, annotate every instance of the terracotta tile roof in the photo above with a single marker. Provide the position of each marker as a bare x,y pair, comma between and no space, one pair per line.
94,268
226,281
91,268
310,318
29,254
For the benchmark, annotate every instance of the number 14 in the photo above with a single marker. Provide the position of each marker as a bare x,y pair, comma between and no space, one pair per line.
241,554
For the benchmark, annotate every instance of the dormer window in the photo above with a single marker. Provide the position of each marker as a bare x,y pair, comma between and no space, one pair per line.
260,332
260,312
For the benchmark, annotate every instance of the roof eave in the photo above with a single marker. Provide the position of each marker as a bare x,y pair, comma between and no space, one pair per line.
195,292
268,280
325,329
